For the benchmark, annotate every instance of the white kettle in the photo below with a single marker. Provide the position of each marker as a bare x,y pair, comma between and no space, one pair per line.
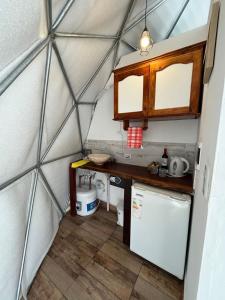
177,166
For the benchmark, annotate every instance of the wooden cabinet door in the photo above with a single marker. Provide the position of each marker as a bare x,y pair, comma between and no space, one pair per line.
175,83
131,92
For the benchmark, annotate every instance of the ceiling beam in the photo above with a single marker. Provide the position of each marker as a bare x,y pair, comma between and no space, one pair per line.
15,178
89,81
60,157
54,199
62,14
22,65
64,72
30,211
85,103
85,35
71,91
177,19
121,31
48,11
44,99
142,17
74,106
130,45
57,133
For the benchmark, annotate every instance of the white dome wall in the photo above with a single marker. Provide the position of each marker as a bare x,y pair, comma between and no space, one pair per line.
39,129
55,59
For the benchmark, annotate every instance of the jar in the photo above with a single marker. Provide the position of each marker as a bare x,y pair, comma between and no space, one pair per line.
162,172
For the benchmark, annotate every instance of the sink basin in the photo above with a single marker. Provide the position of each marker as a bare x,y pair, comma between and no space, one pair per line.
99,159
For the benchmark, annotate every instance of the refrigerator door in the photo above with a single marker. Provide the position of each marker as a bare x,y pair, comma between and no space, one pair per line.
159,228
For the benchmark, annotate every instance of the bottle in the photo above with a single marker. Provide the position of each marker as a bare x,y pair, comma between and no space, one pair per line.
165,159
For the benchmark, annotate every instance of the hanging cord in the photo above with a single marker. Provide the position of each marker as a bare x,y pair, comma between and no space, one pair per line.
146,14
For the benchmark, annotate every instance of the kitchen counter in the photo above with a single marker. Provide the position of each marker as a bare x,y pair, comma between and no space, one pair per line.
130,173
141,174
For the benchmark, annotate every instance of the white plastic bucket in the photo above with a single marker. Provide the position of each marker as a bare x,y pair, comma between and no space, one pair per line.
86,200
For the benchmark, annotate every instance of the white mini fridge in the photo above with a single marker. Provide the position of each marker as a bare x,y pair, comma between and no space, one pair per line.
159,227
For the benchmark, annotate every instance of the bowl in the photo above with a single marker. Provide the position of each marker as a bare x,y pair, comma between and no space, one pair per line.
99,158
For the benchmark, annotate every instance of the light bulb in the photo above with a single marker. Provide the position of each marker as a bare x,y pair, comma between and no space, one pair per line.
145,39
146,42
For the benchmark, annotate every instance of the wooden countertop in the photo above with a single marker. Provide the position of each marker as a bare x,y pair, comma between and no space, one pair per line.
141,174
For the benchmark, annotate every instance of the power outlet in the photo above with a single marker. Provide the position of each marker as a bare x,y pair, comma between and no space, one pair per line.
127,155
101,147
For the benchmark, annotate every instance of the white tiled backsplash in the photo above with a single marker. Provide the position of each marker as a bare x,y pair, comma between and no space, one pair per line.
151,151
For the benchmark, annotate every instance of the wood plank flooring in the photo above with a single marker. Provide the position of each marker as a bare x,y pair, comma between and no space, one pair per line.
89,261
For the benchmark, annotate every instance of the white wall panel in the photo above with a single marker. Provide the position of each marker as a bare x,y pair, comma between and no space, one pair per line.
58,104
203,278
211,283
57,175
85,119
100,81
68,140
95,16
81,58
14,203
44,225
20,107
22,23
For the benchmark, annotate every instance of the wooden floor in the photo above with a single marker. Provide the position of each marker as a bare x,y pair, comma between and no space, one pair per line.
89,261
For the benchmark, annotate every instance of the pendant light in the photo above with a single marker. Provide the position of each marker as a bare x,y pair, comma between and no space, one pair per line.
146,41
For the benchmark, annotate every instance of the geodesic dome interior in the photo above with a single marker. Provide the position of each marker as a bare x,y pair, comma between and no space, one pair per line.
56,57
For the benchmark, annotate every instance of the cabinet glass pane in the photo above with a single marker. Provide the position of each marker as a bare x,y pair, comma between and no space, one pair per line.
130,94
173,86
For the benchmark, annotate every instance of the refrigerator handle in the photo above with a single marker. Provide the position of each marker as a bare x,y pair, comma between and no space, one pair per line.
139,195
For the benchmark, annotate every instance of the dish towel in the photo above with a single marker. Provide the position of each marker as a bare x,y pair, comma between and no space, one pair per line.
79,163
134,137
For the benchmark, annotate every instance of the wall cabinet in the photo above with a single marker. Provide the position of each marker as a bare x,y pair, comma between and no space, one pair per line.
131,93
168,86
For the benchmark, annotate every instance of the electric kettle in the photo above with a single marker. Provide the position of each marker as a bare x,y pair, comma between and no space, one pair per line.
177,166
